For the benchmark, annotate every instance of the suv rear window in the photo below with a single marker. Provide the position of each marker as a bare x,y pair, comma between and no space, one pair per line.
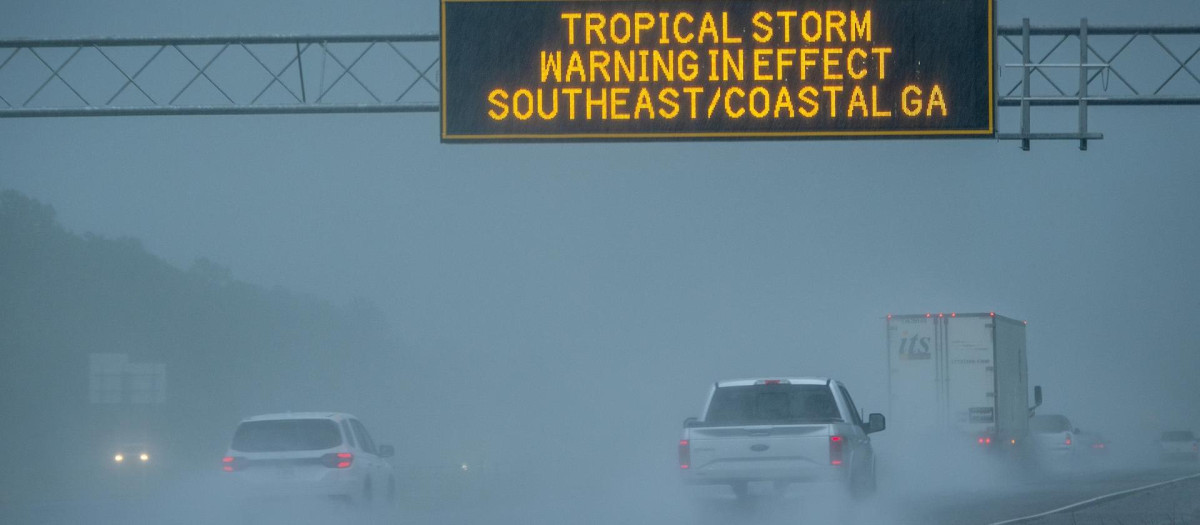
1049,424
777,404
1178,435
285,435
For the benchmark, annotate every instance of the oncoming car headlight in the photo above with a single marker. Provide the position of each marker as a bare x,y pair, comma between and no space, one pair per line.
141,458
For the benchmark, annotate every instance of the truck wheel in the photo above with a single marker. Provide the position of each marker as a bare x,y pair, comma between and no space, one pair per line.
862,484
740,489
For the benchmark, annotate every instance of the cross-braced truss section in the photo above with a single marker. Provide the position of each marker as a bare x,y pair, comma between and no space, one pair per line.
1086,65
219,75
1076,66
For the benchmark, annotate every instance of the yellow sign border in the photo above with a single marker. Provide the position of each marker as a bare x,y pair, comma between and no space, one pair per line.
991,129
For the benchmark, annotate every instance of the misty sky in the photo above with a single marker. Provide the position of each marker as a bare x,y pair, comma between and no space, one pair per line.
653,269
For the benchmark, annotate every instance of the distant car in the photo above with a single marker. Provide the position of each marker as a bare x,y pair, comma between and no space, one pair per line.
1053,436
131,455
1091,444
1094,442
309,454
130,469
1178,445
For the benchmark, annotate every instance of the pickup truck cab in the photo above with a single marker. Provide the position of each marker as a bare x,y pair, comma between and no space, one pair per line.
781,431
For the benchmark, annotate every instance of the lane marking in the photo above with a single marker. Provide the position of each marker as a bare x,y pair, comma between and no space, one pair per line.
1093,501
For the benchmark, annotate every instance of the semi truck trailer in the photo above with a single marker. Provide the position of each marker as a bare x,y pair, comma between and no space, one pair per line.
961,377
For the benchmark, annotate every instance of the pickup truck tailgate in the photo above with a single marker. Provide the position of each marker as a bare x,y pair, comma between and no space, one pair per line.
778,451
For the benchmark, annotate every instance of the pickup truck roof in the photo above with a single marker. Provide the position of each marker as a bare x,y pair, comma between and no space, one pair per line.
790,380
299,415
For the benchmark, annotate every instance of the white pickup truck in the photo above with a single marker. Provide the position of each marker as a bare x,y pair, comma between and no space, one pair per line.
780,431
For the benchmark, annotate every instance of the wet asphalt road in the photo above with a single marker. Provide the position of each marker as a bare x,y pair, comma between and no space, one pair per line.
902,500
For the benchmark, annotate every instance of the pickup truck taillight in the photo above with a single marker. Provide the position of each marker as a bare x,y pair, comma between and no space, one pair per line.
231,463
836,443
685,454
1068,441
338,459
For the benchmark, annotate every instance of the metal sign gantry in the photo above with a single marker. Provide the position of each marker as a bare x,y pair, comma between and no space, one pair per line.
1101,78
1078,66
219,75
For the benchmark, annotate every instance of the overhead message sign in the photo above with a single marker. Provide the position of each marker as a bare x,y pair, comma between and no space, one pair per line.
679,69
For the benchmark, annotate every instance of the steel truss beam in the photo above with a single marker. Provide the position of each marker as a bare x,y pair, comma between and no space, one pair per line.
250,75
255,75
1115,66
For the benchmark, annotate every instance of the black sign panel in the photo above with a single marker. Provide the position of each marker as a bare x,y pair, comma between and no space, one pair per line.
536,70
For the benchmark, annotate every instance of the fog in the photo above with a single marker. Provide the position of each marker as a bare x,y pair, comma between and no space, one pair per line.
548,314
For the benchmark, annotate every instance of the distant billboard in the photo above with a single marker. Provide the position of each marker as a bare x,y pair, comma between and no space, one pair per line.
113,380
691,69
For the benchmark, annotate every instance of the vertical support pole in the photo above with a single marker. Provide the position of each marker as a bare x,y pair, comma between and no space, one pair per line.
996,69
1083,83
1025,84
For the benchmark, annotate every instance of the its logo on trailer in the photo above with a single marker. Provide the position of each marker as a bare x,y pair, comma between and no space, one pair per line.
914,347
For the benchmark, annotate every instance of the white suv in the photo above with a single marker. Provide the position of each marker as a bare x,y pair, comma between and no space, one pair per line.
1054,437
309,454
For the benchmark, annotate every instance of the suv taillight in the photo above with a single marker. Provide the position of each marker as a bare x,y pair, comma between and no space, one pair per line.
338,459
1068,441
685,454
231,463
836,443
